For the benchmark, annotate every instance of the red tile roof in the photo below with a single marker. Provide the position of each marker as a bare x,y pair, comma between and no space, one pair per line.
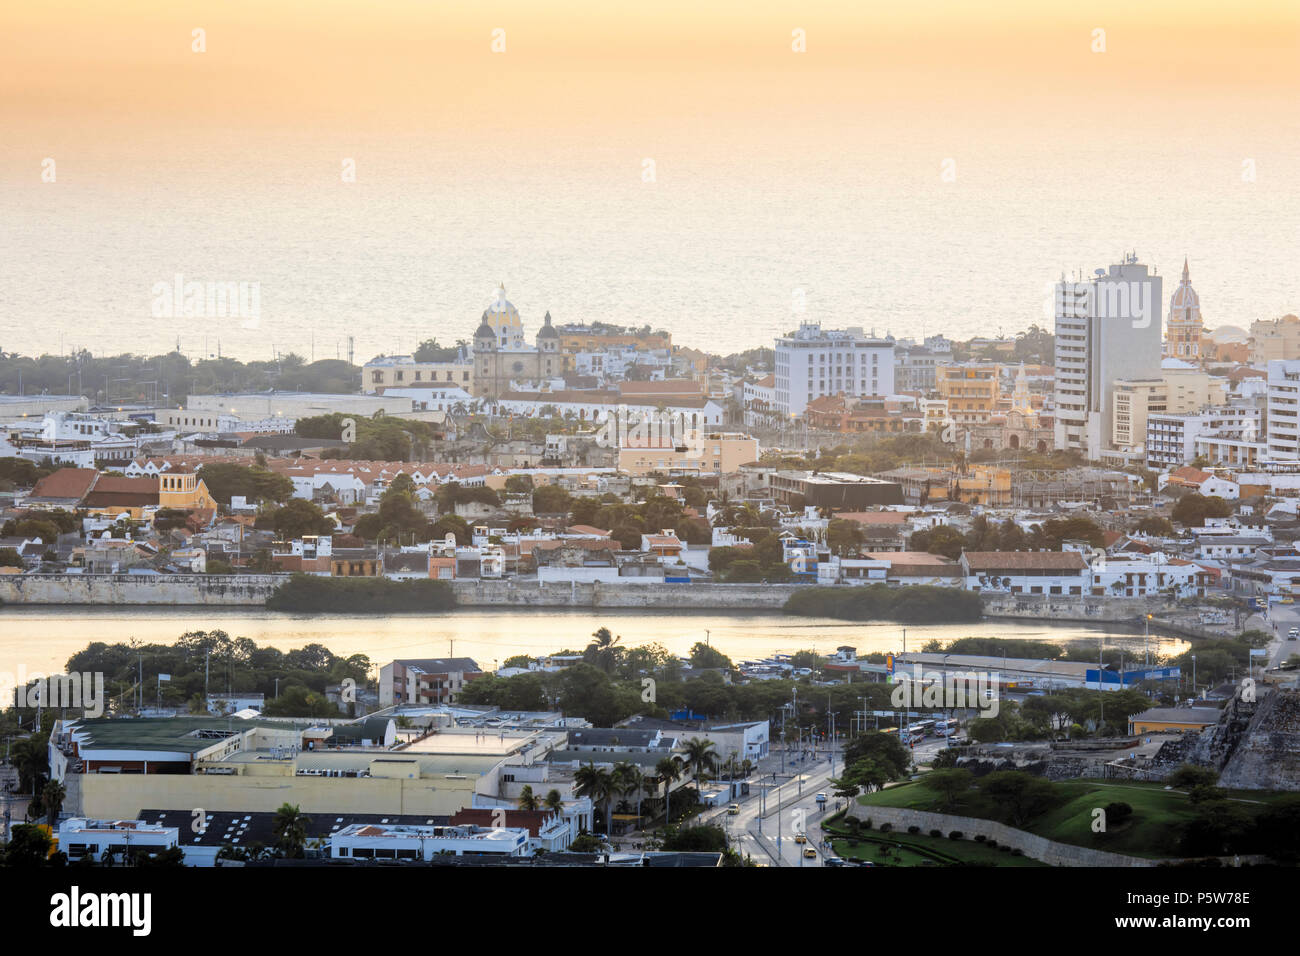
66,483
1024,560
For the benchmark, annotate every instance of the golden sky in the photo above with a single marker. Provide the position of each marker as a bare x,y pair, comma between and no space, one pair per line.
304,65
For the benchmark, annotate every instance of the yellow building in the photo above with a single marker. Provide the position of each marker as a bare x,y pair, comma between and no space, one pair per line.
1160,720
402,371
706,454
971,391
1274,339
112,495
595,338
1134,400
183,490
1180,389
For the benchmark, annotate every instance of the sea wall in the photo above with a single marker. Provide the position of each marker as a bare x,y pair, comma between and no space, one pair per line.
1031,845
1101,610
254,589
167,589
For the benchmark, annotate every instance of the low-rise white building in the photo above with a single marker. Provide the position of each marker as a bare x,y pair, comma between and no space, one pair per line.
377,841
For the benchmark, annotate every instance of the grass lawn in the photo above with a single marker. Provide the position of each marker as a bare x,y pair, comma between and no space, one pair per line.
1153,831
908,849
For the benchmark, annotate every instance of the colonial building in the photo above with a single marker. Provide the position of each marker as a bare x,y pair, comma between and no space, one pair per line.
501,355
1183,334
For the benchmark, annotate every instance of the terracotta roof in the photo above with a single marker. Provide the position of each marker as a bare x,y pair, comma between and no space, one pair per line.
1024,560
587,529
68,483
1189,475
874,517
533,820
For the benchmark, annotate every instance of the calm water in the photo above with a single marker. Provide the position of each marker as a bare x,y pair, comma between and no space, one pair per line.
43,638
713,252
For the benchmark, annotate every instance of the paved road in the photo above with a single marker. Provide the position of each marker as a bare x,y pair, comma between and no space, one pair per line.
1278,622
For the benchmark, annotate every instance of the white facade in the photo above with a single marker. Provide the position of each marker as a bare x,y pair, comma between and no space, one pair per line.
1283,407
811,363
80,837
1226,434
374,841
1107,328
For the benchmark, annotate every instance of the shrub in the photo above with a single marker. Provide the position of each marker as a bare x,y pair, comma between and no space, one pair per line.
921,604
914,829
1016,851
936,833
886,827
866,824
980,838
1117,813
954,835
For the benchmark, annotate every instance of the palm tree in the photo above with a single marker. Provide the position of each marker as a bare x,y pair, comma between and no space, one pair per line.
627,780
554,801
603,651
290,830
669,771
52,797
702,760
595,784
527,799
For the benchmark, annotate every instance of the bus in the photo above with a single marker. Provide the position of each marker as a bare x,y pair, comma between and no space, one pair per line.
945,728
922,727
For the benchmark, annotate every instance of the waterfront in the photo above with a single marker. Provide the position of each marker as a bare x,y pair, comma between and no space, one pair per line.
42,638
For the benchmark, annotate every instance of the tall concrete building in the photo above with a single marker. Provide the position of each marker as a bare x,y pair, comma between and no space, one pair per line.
1107,328
1283,406
812,362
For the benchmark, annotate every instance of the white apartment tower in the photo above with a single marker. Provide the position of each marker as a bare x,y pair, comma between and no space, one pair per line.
812,362
1283,404
1107,328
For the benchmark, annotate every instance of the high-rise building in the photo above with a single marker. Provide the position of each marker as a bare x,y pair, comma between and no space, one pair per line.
812,362
1183,336
1283,406
1107,328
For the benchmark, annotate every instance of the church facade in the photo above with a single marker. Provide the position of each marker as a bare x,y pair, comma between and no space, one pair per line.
502,354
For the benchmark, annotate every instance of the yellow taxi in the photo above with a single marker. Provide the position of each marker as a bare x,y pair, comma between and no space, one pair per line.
810,853
801,838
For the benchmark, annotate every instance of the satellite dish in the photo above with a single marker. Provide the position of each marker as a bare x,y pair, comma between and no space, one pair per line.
1099,272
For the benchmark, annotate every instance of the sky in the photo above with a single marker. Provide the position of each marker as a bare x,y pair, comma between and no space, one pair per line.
682,164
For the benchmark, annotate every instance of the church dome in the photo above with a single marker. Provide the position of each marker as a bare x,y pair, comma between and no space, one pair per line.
485,331
1185,304
501,306
547,331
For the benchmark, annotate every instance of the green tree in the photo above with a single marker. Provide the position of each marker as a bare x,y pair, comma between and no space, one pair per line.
949,784
1191,510
701,758
290,827
300,517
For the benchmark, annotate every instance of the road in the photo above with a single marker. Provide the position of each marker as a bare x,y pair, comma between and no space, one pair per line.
766,833
1278,622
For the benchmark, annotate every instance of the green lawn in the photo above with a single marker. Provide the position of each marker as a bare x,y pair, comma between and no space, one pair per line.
1153,831
908,849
